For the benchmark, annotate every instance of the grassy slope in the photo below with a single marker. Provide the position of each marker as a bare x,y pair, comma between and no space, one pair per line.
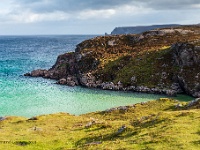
152,125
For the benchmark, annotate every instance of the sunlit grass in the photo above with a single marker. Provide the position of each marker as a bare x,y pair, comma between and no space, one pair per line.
151,125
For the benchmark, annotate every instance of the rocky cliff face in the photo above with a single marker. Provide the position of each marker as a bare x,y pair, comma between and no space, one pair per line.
139,29
162,61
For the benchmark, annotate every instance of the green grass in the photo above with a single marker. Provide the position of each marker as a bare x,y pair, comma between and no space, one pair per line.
147,68
152,125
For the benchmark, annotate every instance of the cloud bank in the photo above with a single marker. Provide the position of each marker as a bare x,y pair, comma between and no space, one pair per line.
99,13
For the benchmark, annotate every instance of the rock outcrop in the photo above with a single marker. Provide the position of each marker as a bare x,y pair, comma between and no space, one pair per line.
187,57
165,61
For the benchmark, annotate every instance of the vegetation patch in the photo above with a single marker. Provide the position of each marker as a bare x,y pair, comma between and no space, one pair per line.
158,124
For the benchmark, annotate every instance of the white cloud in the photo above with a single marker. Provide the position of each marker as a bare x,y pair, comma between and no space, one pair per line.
30,17
91,14
132,10
196,6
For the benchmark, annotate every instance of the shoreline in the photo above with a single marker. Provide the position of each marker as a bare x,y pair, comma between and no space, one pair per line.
121,107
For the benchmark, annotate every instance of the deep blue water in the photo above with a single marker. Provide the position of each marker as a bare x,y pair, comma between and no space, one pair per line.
25,96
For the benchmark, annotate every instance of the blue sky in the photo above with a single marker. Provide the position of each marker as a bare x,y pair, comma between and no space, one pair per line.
27,17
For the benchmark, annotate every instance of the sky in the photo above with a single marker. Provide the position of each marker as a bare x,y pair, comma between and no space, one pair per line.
35,17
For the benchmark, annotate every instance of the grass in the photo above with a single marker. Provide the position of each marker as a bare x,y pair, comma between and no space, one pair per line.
146,68
151,125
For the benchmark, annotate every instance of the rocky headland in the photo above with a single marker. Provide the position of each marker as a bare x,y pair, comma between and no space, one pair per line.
139,29
162,61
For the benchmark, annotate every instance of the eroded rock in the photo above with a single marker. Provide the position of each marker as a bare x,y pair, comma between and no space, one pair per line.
184,54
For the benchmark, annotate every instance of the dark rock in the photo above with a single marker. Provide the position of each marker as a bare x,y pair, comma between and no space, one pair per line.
133,79
33,118
186,57
38,73
184,54
171,93
64,66
92,122
88,80
121,129
176,87
27,74
62,81
123,108
72,81
110,110
2,118
112,86
194,103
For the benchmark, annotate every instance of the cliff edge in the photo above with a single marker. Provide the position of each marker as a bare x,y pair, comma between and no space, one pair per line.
165,61
139,29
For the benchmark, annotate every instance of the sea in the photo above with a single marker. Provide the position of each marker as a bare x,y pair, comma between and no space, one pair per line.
28,97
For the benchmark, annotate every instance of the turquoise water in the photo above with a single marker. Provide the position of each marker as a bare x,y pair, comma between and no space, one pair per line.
25,96
36,96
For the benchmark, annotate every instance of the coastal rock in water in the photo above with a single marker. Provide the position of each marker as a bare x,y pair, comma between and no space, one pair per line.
62,81
38,73
27,74
72,81
87,80
64,66
112,86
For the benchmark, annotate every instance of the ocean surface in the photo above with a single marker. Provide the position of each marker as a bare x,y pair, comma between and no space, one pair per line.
26,96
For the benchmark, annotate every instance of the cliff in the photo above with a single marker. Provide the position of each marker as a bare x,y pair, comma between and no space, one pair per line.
139,29
164,61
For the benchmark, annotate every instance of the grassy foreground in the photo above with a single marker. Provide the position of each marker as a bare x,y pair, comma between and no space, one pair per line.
162,124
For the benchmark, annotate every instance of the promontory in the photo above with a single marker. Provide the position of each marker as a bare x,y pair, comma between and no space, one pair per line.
163,61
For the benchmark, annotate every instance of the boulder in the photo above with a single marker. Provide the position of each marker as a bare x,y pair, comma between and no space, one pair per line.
62,81
2,118
121,129
27,74
72,81
38,73
87,80
195,103
171,93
